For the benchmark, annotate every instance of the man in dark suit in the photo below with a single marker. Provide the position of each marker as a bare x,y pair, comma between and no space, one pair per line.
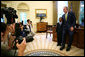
69,21
59,32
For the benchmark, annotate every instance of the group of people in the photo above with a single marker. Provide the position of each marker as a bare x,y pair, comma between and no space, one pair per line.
66,24
8,36
5,29
28,28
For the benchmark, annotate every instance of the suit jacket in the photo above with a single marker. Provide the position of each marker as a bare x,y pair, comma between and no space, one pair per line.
59,28
71,20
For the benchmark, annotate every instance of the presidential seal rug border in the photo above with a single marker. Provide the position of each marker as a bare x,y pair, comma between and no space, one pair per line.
44,52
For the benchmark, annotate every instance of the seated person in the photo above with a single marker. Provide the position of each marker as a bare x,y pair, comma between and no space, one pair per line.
31,23
59,31
4,51
32,30
29,27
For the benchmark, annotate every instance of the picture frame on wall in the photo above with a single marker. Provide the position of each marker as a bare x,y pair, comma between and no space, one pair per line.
41,13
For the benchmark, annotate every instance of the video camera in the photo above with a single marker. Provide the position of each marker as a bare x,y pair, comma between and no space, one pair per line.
10,14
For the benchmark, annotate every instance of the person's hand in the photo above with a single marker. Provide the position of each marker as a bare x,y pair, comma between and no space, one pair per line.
21,47
71,28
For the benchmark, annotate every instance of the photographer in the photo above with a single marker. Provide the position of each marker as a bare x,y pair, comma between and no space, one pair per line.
29,28
4,51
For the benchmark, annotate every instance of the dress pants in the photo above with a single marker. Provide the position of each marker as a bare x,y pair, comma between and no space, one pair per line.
59,38
65,30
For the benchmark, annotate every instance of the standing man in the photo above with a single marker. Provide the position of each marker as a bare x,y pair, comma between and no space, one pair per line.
69,21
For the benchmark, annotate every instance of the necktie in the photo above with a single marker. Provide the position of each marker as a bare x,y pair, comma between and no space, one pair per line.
66,16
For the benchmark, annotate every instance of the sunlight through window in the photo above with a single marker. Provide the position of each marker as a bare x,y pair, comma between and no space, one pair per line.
61,5
23,17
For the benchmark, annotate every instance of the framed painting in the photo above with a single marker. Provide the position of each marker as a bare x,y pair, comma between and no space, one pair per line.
41,13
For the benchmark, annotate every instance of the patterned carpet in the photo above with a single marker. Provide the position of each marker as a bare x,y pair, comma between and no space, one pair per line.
46,47
43,53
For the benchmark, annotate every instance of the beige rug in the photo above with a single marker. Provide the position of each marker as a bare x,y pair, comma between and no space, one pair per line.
40,43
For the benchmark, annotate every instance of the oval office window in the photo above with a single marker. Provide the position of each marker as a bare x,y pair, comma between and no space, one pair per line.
81,19
23,17
61,5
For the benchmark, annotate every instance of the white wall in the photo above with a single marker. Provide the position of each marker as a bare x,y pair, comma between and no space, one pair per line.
32,6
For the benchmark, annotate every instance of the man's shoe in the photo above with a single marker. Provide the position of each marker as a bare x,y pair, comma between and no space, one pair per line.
68,48
62,47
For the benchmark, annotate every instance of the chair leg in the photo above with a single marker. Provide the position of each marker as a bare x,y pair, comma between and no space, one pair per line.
46,35
50,34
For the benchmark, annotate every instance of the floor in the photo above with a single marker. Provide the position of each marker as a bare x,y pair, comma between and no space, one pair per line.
41,43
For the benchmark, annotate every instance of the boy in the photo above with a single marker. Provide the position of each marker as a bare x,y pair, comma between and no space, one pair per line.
59,32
